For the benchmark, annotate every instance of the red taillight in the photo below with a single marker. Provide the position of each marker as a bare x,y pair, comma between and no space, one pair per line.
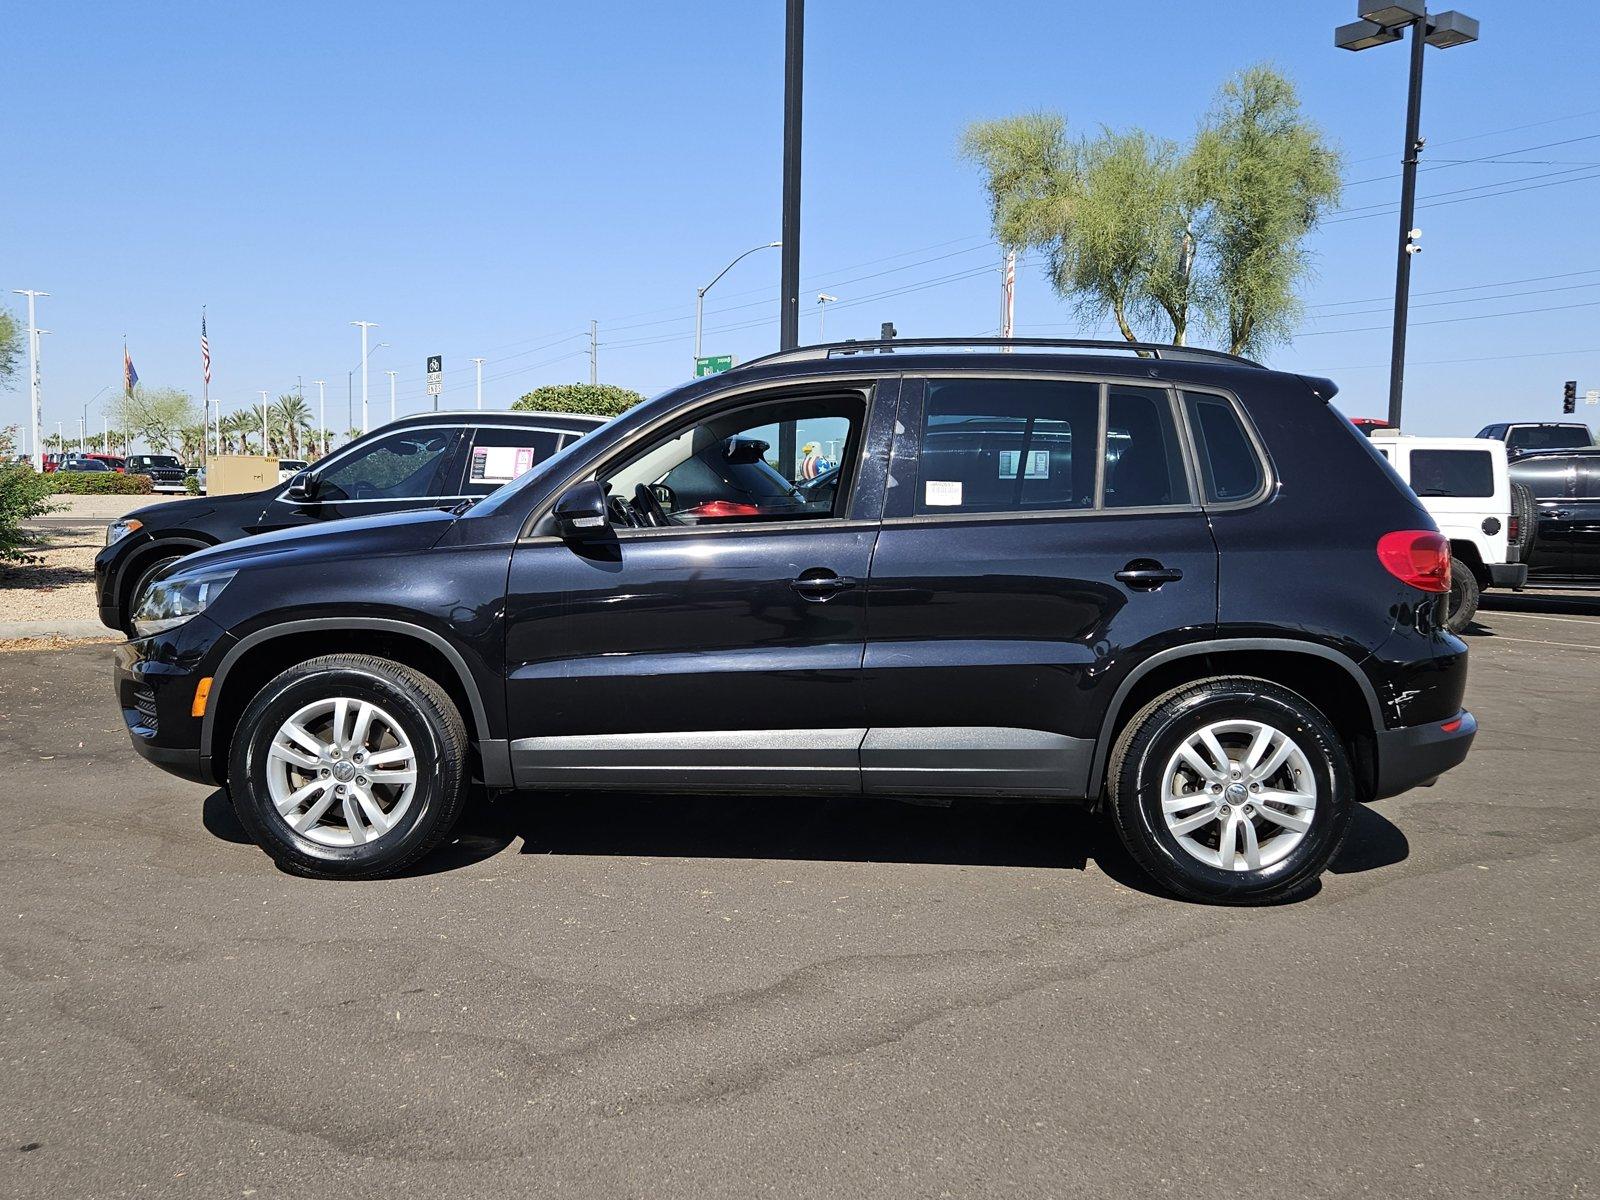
723,508
1418,557
1513,529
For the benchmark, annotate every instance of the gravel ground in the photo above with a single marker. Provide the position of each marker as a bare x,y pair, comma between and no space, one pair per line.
61,586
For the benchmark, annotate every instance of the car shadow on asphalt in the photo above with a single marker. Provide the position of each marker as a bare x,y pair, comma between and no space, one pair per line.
1576,603
824,829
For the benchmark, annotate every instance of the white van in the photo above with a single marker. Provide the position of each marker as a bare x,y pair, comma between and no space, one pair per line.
1465,484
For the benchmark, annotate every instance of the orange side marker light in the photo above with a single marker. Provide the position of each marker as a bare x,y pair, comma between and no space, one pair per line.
202,693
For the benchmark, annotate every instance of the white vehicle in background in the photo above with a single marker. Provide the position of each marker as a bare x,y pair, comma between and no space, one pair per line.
1465,484
288,468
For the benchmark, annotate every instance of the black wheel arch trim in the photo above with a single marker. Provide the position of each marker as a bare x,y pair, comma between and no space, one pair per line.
151,545
495,753
1102,752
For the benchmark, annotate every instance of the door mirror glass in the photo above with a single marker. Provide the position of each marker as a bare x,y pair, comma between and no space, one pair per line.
580,514
303,487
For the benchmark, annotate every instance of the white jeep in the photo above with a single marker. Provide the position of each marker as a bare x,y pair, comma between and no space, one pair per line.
1465,485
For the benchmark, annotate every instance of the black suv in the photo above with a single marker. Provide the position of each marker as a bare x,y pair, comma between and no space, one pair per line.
1566,489
431,460
164,470
1172,584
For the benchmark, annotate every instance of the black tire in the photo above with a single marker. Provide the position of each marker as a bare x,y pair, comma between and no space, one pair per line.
429,720
146,572
1463,603
1150,740
1522,508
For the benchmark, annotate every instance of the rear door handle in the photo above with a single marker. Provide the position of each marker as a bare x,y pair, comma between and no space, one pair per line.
1145,574
821,587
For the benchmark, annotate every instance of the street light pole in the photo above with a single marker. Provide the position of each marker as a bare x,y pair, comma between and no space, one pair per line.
793,78
322,412
700,293
391,375
478,363
35,414
823,300
263,422
365,325
1382,22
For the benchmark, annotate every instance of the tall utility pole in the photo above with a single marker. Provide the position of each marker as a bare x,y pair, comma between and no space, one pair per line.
365,325
322,412
594,352
793,74
263,422
1008,294
478,363
391,375
35,413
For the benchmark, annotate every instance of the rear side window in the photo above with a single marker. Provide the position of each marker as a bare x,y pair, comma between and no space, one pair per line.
500,453
1008,445
1464,473
1144,461
1229,467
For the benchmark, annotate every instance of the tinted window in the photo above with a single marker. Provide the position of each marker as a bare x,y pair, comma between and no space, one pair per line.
402,465
1549,437
500,453
764,462
1008,445
1452,473
1144,461
1547,478
1229,467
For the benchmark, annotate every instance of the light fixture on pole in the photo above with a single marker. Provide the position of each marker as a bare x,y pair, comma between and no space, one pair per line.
322,412
1382,22
478,363
700,293
35,411
391,375
365,325
823,300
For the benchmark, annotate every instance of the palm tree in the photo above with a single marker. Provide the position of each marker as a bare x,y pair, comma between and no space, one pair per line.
289,419
192,442
238,426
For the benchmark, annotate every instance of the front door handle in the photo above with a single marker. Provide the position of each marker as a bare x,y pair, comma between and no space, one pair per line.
820,586
1146,574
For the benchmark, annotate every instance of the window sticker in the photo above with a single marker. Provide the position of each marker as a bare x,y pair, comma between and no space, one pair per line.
942,493
500,464
1038,464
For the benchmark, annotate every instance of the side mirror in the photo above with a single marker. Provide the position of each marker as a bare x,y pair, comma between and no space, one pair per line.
303,487
581,514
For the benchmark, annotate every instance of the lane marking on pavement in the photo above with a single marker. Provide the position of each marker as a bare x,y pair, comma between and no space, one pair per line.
1541,617
1500,637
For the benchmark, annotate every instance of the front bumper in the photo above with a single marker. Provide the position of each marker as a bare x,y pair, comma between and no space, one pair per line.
1508,575
1416,755
155,680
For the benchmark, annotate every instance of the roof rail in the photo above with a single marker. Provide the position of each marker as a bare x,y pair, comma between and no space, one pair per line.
1154,350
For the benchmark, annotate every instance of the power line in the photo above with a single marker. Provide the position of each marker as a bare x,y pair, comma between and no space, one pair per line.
1441,164
1486,195
1472,137
1520,312
1472,287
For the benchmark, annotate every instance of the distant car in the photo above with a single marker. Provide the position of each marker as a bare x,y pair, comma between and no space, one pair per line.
164,470
115,461
288,468
1566,490
1525,437
86,466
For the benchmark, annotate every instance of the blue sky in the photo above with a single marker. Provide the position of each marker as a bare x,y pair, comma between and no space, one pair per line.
483,179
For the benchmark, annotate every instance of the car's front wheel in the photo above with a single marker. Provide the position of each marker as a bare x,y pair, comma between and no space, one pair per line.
348,766
1231,790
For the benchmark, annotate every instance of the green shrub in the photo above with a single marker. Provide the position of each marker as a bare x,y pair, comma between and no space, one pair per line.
24,494
97,483
191,484
597,399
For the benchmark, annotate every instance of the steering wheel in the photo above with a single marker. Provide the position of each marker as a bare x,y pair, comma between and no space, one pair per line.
622,512
649,508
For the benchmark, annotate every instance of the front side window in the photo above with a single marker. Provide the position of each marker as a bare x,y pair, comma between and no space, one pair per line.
1459,473
400,466
1229,468
780,461
1008,445
501,453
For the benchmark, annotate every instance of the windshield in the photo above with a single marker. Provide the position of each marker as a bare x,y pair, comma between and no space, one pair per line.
155,460
1549,437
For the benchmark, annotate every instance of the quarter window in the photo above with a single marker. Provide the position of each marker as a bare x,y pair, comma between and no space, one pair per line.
1452,473
1229,468
401,466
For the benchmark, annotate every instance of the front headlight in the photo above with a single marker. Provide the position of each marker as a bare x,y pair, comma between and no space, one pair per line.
121,529
169,602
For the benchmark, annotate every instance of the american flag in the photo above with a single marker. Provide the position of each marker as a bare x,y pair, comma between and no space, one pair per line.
205,349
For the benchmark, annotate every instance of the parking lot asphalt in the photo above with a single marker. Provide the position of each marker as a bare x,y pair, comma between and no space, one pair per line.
627,996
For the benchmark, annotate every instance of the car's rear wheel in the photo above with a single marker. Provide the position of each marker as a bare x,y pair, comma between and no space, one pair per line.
1463,597
349,766
1231,790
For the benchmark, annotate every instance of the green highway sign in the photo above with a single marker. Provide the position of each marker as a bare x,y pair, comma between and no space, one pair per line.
712,364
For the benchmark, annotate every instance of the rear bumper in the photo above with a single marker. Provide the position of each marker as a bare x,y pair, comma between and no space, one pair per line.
1416,755
1508,575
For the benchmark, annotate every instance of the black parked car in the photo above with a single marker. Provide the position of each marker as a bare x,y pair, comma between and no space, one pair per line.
1226,637
430,460
1528,437
1566,489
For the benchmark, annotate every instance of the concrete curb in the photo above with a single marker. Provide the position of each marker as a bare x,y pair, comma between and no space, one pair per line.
14,630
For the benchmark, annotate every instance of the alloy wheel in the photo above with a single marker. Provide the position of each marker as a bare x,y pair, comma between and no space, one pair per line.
341,772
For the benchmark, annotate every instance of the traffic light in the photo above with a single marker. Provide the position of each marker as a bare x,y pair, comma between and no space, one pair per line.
1569,396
